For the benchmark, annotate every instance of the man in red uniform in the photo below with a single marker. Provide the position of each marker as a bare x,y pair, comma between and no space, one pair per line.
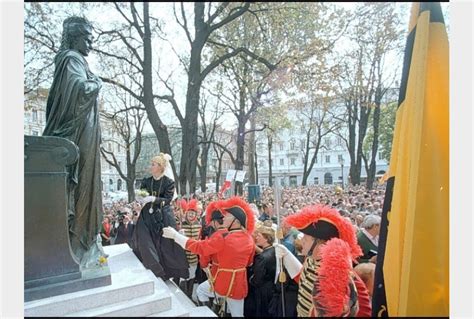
330,245
215,219
234,250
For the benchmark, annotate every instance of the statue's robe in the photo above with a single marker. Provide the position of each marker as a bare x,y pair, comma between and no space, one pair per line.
72,113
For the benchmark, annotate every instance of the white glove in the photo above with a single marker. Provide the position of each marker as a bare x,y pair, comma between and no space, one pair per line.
169,232
149,199
291,263
281,251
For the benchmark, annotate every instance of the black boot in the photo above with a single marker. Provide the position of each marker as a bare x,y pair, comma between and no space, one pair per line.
176,281
205,303
189,288
182,285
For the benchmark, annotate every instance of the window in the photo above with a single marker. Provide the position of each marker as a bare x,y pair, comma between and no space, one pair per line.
119,184
261,163
35,116
292,161
281,146
302,144
292,146
34,133
262,181
339,141
120,164
293,181
302,130
282,181
327,141
110,168
339,158
328,178
316,181
282,162
328,158
380,156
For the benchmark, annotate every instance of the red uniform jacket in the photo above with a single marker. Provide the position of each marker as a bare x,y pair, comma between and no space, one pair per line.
234,251
205,260
365,305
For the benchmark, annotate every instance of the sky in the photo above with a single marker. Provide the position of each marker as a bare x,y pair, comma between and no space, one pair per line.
168,61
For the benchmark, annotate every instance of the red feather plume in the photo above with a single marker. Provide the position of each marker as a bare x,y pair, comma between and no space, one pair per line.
237,201
311,214
182,204
334,277
192,205
212,206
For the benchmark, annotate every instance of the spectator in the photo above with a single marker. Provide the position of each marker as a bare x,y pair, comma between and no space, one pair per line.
106,231
366,272
368,238
263,270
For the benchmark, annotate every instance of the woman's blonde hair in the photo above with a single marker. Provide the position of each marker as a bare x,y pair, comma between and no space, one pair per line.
161,159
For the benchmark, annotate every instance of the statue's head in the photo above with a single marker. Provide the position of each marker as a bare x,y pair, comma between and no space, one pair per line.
77,35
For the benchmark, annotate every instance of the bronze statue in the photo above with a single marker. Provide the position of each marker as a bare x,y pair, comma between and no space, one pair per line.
72,113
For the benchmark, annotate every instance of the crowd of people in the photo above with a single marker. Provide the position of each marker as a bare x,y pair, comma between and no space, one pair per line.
231,255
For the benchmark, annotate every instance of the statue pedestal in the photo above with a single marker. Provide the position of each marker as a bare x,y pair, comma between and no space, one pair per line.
50,265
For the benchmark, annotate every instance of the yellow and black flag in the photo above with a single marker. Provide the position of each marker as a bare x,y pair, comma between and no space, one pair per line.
412,272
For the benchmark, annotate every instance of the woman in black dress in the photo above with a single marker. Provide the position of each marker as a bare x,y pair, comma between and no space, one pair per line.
161,255
262,282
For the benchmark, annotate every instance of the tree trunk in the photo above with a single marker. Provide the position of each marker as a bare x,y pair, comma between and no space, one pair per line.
270,142
220,156
239,160
203,168
190,150
251,151
375,143
256,167
131,189
158,126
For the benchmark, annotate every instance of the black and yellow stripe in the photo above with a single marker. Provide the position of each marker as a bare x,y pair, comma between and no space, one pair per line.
306,286
416,205
191,231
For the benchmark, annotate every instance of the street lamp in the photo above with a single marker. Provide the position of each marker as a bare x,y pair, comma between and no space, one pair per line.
342,171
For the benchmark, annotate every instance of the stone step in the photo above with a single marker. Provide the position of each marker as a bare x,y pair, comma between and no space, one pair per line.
180,295
129,278
158,302
202,311
177,310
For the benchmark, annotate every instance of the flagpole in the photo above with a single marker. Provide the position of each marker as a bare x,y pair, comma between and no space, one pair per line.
281,275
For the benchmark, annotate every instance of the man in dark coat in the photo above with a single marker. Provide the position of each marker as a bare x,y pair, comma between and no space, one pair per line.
72,113
124,230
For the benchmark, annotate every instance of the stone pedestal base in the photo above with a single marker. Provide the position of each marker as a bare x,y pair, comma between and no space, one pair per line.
91,278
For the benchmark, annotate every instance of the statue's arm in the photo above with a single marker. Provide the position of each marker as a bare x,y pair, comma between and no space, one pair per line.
76,74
